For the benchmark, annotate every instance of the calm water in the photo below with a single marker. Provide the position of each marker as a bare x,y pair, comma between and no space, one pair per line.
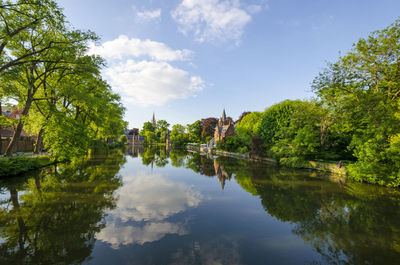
167,207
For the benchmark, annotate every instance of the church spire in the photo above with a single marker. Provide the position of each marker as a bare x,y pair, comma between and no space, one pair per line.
223,115
153,120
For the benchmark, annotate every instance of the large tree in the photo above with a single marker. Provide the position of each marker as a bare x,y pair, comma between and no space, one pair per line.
362,89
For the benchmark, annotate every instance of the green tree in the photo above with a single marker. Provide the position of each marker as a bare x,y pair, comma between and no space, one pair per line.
194,131
178,135
248,127
362,90
162,130
149,133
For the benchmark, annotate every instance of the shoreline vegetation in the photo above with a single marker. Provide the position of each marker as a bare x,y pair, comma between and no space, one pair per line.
13,166
23,163
315,165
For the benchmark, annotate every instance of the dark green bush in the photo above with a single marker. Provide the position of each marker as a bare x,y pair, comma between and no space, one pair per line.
15,165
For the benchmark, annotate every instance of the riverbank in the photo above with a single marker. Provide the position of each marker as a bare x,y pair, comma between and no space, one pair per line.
11,166
315,165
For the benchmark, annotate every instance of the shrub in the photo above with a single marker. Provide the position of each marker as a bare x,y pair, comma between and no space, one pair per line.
16,165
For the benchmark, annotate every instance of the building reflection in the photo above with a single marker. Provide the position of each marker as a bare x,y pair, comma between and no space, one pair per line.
134,150
222,173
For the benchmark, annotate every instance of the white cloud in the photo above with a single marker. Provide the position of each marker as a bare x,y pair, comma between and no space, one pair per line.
149,15
254,9
151,79
144,205
123,47
152,83
214,20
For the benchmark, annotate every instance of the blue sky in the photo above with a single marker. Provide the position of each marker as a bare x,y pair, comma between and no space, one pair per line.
188,59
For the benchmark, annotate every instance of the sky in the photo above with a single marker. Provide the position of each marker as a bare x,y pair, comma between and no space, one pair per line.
188,59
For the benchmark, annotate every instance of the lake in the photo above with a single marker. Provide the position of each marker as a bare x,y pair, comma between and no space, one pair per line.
158,206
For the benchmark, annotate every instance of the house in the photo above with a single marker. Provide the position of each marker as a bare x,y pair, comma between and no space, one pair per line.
224,128
134,138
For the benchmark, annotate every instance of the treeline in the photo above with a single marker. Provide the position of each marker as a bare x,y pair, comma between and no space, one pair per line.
201,131
354,117
46,70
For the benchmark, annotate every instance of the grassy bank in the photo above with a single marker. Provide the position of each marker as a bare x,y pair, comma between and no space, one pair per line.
10,166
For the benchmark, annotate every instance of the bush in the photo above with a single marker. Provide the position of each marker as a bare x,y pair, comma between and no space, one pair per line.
232,144
16,165
295,162
123,139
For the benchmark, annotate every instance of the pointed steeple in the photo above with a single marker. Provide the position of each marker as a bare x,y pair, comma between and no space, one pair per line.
153,120
223,115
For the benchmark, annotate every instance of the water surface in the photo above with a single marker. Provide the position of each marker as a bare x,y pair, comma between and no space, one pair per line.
158,206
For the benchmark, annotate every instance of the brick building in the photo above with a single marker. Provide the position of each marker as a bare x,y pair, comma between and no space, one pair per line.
224,128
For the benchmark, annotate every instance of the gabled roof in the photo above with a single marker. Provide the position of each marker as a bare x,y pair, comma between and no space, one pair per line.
223,129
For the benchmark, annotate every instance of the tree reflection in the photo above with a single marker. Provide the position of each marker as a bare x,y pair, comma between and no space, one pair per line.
155,155
51,217
347,223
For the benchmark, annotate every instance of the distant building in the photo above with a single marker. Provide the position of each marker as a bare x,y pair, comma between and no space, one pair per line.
8,132
153,121
224,128
133,137
138,140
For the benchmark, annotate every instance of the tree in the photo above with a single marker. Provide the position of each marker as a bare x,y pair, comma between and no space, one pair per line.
362,89
24,20
148,132
178,135
208,127
60,50
194,131
242,116
162,130
248,126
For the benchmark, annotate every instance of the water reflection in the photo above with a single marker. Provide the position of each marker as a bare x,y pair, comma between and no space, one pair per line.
348,223
150,209
53,216
145,203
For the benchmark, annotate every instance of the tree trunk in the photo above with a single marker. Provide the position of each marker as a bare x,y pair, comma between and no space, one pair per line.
21,224
39,142
18,130
1,113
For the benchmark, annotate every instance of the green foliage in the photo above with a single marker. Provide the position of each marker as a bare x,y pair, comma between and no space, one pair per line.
274,119
161,131
178,136
248,127
61,208
67,139
194,131
45,69
10,166
232,144
362,91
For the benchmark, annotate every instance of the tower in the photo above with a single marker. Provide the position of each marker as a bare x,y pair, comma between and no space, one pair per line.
153,120
223,116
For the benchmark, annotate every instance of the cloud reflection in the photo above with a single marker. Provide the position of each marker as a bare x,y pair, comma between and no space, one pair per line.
124,235
145,202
